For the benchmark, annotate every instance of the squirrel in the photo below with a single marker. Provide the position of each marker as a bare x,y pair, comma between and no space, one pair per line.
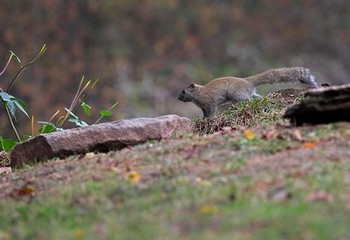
234,89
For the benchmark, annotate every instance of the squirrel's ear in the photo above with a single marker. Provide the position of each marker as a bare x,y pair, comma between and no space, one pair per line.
192,85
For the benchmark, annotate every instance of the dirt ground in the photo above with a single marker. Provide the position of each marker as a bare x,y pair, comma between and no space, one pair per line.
291,161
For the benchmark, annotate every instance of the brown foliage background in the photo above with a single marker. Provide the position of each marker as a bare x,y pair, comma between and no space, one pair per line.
145,51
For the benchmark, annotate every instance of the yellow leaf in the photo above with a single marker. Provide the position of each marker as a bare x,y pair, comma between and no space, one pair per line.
249,134
133,177
207,209
79,234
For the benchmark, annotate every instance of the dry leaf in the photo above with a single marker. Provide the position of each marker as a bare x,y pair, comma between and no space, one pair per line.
27,190
79,234
207,209
226,129
296,134
270,134
249,134
133,177
114,169
309,145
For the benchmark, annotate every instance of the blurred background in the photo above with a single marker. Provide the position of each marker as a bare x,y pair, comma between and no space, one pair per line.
145,51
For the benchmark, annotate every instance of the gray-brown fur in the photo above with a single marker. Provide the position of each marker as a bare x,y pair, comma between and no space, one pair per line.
233,89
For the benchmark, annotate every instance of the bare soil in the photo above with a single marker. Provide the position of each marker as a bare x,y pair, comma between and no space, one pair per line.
196,155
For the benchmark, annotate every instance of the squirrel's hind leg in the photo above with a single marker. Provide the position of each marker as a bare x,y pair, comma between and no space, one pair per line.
209,111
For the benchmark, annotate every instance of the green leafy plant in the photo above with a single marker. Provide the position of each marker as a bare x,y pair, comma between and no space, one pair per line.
12,105
7,144
83,91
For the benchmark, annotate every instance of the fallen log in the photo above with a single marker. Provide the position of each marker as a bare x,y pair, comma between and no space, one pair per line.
322,105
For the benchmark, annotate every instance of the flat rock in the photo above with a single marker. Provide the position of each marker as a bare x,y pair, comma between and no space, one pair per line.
100,137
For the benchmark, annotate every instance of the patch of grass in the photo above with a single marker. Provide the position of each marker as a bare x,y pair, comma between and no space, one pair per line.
177,208
255,112
261,110
260,146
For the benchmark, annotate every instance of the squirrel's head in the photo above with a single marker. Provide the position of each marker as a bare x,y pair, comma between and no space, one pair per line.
187,94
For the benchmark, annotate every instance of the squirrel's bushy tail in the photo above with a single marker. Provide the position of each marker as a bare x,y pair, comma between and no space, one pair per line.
284,75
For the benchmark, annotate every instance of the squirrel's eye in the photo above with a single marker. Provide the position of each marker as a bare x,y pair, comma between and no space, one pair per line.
183,91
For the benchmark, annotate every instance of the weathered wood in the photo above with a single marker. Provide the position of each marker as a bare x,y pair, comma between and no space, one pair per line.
329,92
323,105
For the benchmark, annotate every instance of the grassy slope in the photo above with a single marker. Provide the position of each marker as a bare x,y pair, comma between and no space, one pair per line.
274,182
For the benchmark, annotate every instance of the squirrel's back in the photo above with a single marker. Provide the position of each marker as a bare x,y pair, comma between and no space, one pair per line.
284,75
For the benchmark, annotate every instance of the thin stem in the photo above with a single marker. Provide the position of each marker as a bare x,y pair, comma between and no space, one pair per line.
7,64
32,122
12,124
86,96
75,100
14,79
113,106
42,51
80,93
54,115
61,122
